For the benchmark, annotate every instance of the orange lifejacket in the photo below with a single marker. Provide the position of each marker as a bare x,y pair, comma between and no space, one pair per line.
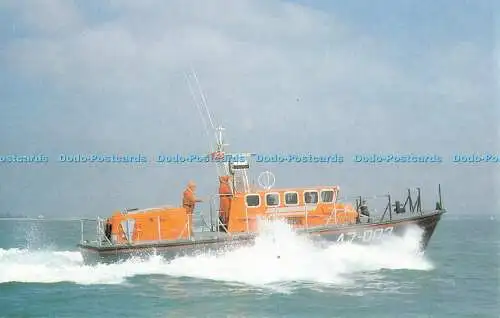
225,199
188,200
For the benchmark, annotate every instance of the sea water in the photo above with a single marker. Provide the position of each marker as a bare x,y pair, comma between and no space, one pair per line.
282,275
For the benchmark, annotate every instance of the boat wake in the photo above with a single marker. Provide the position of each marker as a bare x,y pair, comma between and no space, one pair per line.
278,256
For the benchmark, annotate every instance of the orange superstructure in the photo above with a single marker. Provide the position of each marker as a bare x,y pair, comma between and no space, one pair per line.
301,207
150,225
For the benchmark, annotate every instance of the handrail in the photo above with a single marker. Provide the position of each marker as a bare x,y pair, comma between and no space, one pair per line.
219,223
246,215
158,220
184,229
205,222
307,216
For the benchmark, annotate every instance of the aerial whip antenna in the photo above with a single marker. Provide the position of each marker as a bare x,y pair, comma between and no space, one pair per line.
217,147
204,100
200,112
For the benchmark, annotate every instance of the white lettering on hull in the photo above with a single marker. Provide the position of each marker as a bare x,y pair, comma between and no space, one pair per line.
366,235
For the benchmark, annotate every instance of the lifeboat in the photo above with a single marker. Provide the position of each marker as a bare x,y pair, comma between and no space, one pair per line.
235,211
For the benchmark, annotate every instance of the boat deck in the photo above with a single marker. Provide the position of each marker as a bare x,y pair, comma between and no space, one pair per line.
211,237
197,238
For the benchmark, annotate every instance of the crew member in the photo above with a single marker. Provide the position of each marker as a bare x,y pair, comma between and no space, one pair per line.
108,229
189,200
225,198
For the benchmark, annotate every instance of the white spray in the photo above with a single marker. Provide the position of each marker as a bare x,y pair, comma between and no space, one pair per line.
300,260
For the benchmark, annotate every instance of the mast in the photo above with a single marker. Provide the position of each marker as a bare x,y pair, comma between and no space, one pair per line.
234,164
219,153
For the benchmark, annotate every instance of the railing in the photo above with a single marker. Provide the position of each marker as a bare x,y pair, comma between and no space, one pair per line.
411,205
307,216
218,224
100,236
414,208
334,213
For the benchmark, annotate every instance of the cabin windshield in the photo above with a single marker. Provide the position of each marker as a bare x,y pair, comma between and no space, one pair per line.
253,200
311,197
272,199
327,196
291,198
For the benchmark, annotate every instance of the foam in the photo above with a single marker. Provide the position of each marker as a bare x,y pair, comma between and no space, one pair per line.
300,261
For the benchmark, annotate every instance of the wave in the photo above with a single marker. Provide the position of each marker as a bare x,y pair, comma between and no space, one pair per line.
279,255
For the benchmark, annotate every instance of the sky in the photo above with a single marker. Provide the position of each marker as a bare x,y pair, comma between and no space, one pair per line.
321,77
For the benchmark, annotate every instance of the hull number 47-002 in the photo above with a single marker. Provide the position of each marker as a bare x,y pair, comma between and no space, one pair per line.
366,235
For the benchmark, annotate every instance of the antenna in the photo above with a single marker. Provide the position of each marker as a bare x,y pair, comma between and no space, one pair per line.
198,107
204,100
217,147
223,162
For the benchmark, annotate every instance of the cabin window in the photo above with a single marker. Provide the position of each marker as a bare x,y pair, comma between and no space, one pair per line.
272,199
327,196
310,197
253,200
291,198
